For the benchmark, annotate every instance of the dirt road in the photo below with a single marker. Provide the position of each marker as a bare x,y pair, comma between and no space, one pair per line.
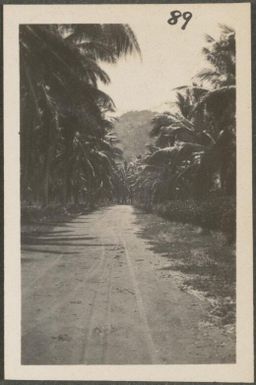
92,294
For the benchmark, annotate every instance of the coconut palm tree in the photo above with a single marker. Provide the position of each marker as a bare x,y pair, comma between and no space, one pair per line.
195,143
221,55
104,42
60,97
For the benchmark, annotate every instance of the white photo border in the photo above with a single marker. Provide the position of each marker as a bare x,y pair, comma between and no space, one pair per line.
242,371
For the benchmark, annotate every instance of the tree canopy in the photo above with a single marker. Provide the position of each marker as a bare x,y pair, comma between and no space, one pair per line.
194,153
67,152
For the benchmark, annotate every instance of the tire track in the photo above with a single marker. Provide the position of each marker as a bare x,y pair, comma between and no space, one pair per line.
107,325
147,333
85,353
107,330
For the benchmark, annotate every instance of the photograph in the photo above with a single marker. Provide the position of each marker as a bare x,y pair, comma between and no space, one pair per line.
128,147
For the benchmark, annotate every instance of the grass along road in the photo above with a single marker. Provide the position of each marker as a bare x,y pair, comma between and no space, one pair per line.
96,290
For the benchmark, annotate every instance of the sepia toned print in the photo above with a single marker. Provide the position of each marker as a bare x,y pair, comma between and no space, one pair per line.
129,158
112,272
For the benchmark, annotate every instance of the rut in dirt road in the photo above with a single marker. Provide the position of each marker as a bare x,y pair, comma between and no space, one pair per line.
91,294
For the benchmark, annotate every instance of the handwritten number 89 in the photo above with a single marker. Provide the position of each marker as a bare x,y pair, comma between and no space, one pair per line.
175,15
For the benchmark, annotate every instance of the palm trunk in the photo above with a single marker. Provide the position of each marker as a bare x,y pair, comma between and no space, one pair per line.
46,179
67,179
50,153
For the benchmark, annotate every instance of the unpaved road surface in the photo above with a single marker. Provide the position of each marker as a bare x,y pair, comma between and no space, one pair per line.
91,294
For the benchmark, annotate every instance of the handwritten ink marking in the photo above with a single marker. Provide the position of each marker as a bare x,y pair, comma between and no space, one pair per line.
175,15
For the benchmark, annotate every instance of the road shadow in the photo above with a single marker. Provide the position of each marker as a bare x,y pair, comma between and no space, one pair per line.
45,251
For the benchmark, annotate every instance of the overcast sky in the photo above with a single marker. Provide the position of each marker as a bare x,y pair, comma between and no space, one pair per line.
170,57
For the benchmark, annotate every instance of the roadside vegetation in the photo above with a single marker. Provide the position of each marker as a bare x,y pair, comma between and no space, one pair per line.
68,152
200,262
189,172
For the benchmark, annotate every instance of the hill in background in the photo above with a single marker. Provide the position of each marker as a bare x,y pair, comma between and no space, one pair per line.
132,129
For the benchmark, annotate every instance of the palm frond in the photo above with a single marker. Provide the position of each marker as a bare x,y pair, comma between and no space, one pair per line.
226,29
208,74
209,38
219,96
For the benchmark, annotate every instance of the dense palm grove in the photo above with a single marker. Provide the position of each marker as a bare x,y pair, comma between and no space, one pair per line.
193,158
67,146
68,149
